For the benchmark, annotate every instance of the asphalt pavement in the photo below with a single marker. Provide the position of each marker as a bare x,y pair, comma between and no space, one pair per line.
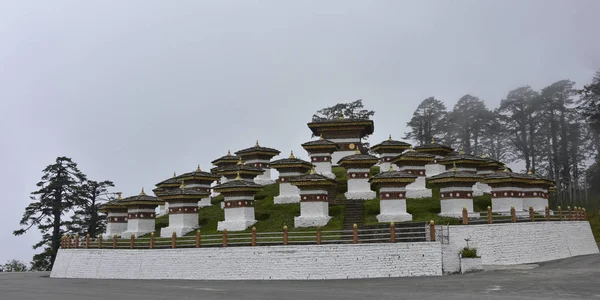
572,278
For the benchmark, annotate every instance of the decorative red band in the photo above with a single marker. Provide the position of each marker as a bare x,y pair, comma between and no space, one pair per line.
183,210
392,195
117,220
455,195
358,175
348,146
316,159
239,203
141,216
519,194
261,165
314,198
415,172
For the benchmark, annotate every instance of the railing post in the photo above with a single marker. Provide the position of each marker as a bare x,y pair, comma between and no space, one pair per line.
584,214
569,213
285,235
224,237
318,235
253,236
132,241
62,241
560,216
198,237
68,241
547,213
579,214
355,233
575,213
87,241
465,216
174,240
77,241
489,214
531,215
100,241
115,241
152,240
513,214
392,232
432,230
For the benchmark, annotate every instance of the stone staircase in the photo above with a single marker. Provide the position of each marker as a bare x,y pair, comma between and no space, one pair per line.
353,214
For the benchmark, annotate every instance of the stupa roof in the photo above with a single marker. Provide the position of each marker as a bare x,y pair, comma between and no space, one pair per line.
455,176
240,168
393,176
229,158
316,126
461,157
413,155
141,198
112,204
291,162
258,149
537,179
358,158
184,192
312,178
320,143
434,147
391,144
171,182
237,185
197,174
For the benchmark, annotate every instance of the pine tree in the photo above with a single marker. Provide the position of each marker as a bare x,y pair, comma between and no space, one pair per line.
428,122
59,191
87,219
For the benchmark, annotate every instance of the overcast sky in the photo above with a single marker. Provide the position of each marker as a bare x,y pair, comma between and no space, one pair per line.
134,90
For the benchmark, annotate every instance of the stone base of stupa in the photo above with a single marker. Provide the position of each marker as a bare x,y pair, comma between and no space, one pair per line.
167,232
503,205
310,221
539,204
162,210
360,195
387,218
114,228
286,199
204,202
235,225
453,208
263,181
127,234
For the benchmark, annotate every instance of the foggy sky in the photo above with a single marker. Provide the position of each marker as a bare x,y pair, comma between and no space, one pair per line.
134,90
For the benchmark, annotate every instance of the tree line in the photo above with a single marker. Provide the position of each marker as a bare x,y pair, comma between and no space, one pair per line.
554,131
66,202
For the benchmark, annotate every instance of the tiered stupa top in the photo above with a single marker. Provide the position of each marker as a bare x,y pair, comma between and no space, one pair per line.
141,199
435,149
198,177
246,172
392,178
258,153
390,145
341,128
167,184
462,160
358,161
291,164
491,165
226,160
320,146
238,186
313,181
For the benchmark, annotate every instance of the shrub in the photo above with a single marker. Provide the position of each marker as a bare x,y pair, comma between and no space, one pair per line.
467,252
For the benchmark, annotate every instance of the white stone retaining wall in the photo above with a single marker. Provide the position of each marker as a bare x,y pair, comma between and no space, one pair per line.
254,263
519,243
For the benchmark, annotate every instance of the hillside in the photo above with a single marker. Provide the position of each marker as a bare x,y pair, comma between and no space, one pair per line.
272,217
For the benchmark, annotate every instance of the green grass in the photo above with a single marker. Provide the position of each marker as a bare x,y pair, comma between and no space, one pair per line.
594,218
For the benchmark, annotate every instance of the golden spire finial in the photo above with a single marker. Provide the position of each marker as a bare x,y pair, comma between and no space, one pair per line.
461,151
341,116
391,168
390,138
505,169
312,170
432,140
120,195
411,149
530,172
182,186
292,154
257,145
228,152
321,137
142,192
174,175
357,150
198,168
238,177
454,169
240,162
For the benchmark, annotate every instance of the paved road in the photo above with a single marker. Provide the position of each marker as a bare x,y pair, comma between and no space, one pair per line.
573,278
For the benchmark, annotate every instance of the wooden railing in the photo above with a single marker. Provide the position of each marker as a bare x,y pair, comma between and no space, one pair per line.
489,217
254,238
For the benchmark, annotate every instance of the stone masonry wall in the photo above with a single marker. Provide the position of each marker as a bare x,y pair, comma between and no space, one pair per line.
519,243
252,263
